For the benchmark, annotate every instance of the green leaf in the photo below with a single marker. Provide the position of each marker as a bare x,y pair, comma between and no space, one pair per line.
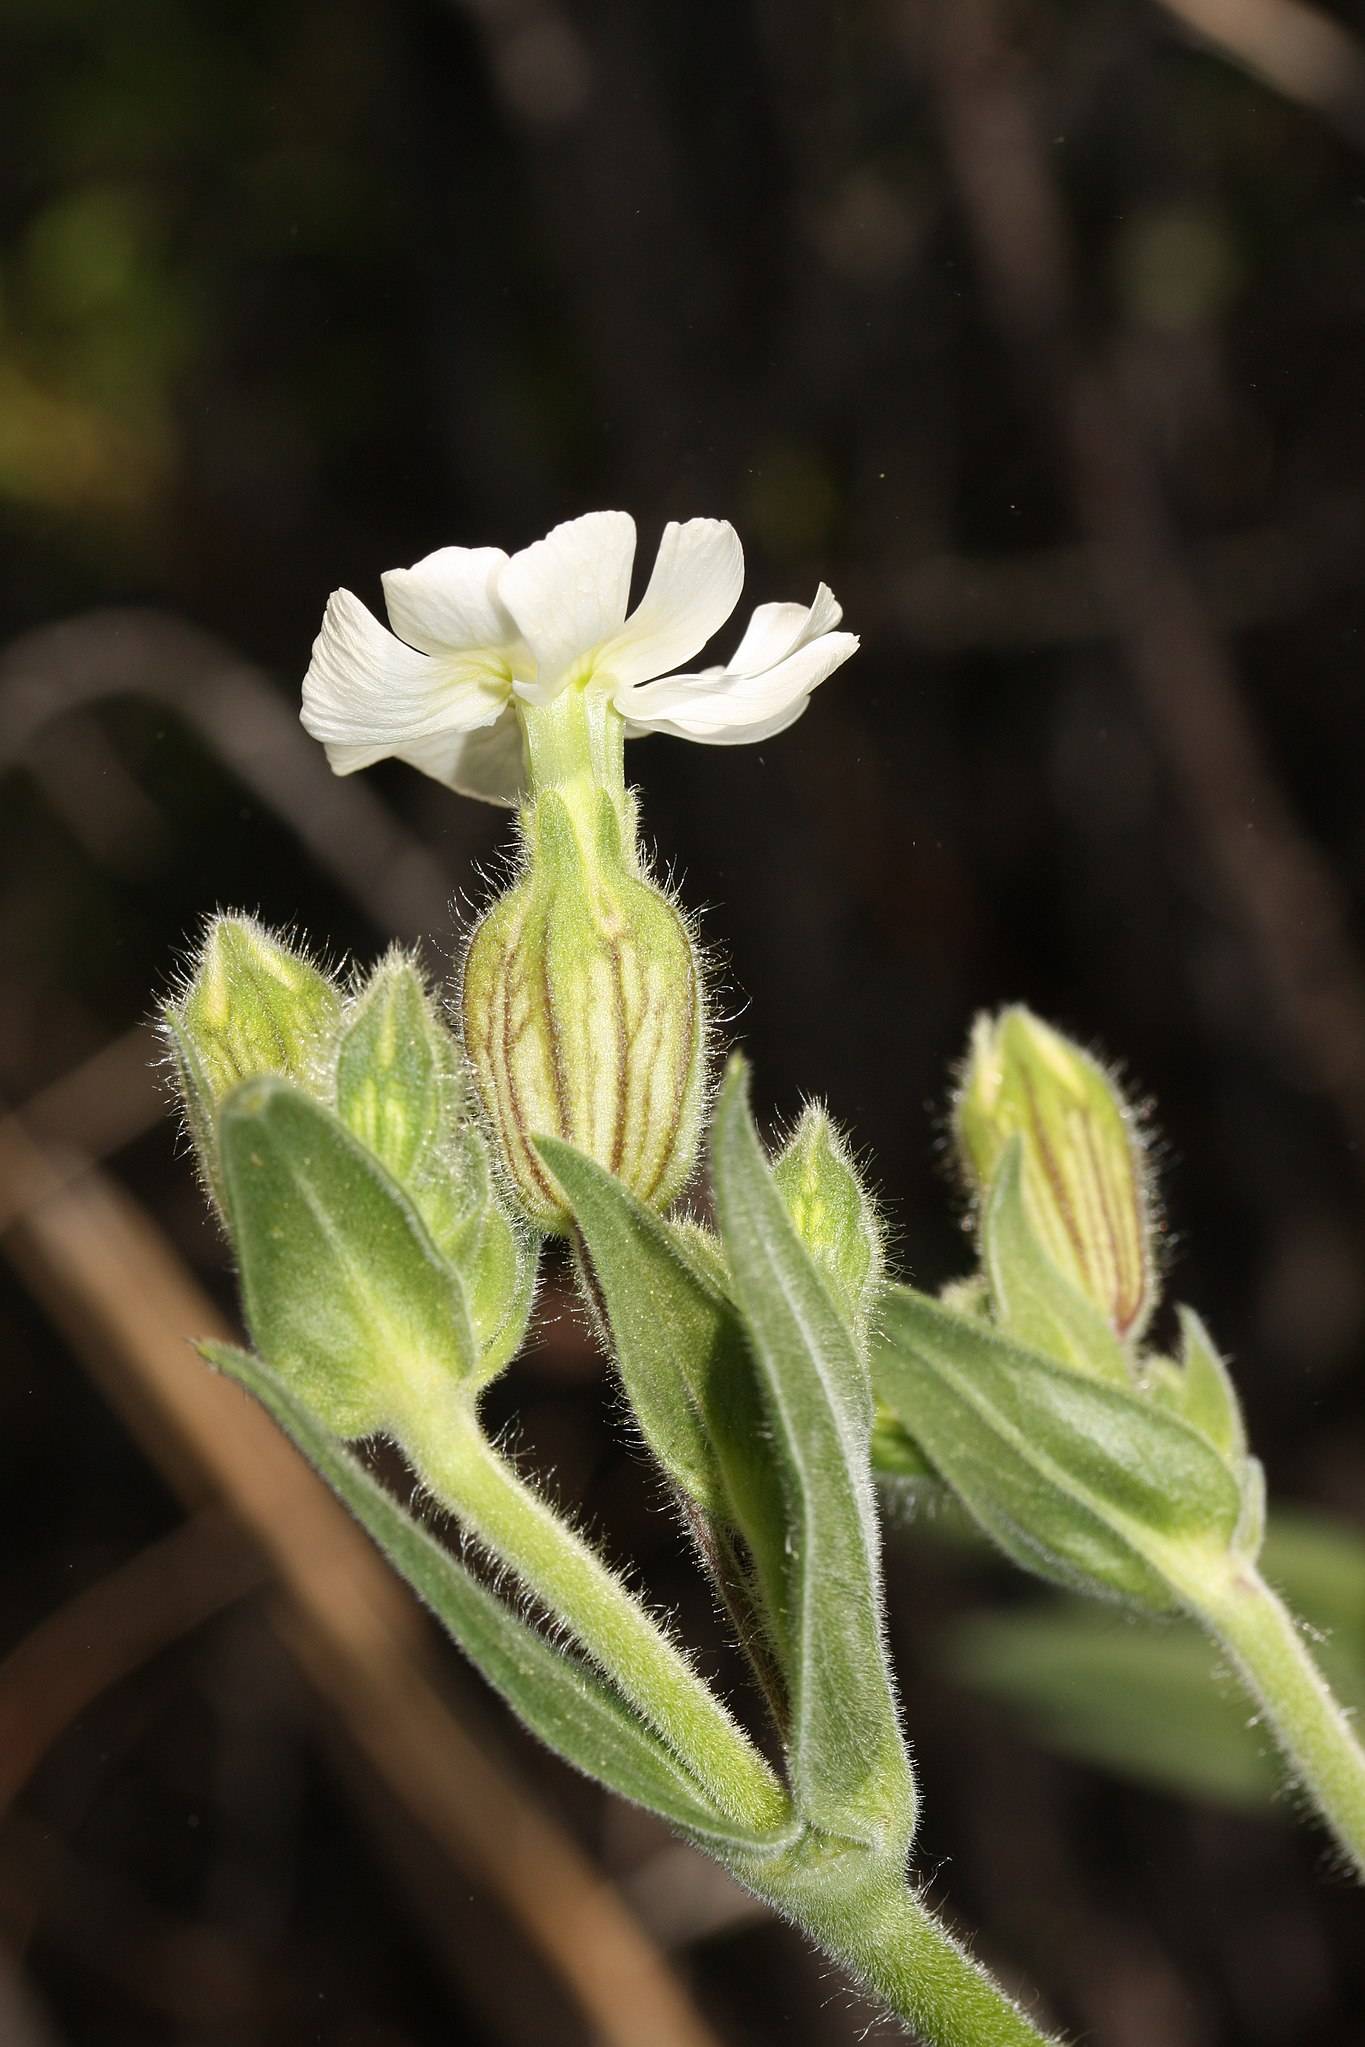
848,1765
1210,1402
1147,1701
497,1264
345,1295
1094,1488
667,1319
1034,1302
553,1693
685,1366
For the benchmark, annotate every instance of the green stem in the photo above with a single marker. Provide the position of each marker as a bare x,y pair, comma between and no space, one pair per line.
578,739
465,1472
1313,1732
863,1916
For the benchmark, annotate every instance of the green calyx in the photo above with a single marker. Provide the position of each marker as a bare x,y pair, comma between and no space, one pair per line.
1084,1186
582,994
833,1213
401,1088
378,1260
1093,1462
252,1005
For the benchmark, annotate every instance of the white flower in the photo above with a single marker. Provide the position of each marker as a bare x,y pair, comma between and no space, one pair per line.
477,633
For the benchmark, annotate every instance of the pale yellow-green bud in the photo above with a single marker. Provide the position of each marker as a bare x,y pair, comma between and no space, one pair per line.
835,1216
1084,1176
401,1089
252,1006
583,1007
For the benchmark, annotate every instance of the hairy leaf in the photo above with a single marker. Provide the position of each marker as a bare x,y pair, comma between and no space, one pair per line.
345,1294
1087,1485
848,1764
553,1693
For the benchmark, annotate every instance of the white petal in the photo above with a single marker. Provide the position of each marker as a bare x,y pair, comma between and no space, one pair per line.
694,587
366,695
449,601
776,630
490,763
568,593
725,735
722,708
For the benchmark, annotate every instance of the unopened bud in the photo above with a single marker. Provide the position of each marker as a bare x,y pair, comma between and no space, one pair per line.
835,1217
1083,1170
401,1089
252,1006
583,1014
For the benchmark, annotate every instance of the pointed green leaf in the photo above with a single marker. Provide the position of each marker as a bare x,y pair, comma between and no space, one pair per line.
685,1365
667,1320
497,1263
1034,1301
1210,1401
552,1692
847,1761
1092,1487
344,1292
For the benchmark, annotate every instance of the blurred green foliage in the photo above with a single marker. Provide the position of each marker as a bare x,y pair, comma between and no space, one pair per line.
1146,1700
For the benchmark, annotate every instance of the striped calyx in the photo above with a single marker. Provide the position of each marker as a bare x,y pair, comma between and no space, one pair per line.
583,1006
1084,1175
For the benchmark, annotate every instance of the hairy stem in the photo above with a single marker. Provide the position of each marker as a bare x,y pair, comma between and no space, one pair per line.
1313,1732
585,1595
860,1912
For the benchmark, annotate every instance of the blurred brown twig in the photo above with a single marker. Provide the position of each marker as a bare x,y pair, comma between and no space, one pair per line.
1299,50
1283,891
59,671
110,1629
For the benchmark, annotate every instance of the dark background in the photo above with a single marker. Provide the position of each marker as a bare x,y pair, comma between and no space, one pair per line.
1037,332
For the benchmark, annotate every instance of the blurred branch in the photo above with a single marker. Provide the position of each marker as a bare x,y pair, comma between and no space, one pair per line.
62,670
1047,596
110,1282
1298,50
111,1629
100,1105
1283,891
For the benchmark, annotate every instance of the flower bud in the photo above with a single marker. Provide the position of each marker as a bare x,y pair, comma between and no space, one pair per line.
401,1090
835,1217
1083,1170
583,1013
252,1006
